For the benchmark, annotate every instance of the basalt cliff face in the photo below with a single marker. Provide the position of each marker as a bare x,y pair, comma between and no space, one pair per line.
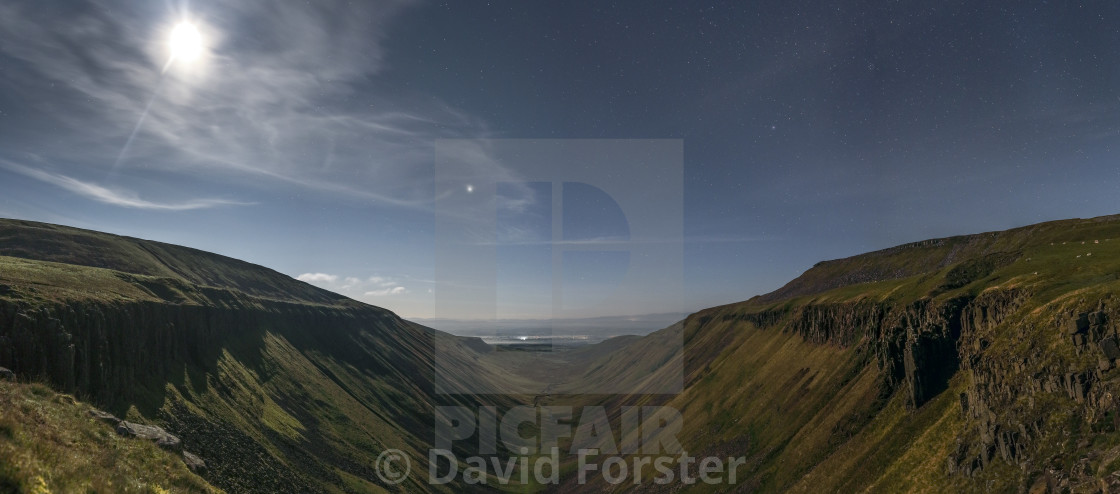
279,386
981,363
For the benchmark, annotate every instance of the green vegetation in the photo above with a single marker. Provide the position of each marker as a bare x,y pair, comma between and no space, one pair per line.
49,443
943,365
154,260
278,385
812,401
975,269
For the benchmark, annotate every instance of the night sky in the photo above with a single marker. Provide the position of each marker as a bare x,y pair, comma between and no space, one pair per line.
303,137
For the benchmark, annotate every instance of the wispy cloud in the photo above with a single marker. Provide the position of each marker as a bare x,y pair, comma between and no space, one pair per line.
317,278
615,241
373,286
397,290
116,197
284,94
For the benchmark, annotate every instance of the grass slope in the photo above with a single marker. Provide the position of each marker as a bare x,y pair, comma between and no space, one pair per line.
67,245
49,443
277,384
814,416
299,403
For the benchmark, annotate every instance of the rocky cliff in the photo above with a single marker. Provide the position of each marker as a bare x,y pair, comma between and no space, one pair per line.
975,363
980,363
277,385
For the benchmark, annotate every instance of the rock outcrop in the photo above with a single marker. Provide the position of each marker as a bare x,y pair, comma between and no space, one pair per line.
106,417
152,433
106,349
1013,373
914,345
194,462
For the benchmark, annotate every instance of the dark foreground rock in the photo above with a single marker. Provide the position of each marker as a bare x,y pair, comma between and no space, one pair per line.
6,374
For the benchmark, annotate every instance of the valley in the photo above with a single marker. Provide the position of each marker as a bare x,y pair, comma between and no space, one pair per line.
967,363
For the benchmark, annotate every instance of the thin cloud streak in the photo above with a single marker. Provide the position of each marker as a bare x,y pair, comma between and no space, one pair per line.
288,99
617,241
398,290
121,198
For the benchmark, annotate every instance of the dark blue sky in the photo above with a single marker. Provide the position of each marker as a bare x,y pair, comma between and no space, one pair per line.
303,138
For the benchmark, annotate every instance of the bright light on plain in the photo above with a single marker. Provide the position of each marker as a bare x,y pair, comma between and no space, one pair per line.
185,42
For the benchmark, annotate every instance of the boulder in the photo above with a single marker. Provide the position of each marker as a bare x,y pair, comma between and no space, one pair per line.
1110,349
150,432
194,462
106,417
1097,318
7,375
1079,325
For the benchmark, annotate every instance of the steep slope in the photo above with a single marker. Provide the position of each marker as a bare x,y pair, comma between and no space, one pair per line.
277,385
976,363
50,443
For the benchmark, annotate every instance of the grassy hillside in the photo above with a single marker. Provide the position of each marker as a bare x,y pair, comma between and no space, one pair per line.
50,443
278,385
66,245
976,363
931,256
980,363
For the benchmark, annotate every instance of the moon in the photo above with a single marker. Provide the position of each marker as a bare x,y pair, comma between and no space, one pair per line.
185,42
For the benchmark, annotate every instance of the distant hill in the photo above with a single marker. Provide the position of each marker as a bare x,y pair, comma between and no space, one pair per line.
925,256
63,244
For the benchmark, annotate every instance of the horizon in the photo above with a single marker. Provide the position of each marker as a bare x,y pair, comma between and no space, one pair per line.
477,326
305,138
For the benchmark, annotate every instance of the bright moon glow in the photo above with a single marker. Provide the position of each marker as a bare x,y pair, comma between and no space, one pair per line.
185,42
470,189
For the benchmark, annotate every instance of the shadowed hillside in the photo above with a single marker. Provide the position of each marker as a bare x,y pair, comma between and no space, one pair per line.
277,385
981,363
